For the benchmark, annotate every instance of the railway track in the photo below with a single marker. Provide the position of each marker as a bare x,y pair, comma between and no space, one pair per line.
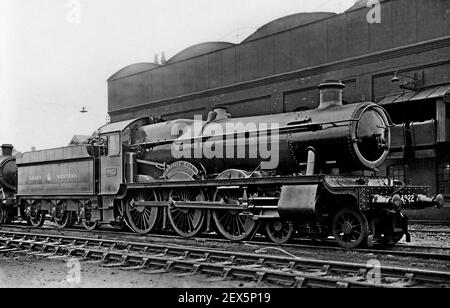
400,250
430,222
432,231
286,271
437,227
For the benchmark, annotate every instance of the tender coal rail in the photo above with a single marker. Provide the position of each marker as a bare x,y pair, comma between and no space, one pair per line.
286,271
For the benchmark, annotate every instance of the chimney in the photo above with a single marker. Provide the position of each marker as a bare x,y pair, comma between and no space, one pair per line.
7,149
331,93
163,58
156,60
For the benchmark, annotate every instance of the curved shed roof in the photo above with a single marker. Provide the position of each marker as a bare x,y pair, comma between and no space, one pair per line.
199,49
133,69
287,22
359,4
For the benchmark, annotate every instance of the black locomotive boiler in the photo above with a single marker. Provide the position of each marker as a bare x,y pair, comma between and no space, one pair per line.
300,173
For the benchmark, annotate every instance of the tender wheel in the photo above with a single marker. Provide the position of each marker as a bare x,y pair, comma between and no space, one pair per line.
279,232
86,217
141,219
120,222
230,223
64,221
350,228
89,225
37,220
62,218
35,217
186,222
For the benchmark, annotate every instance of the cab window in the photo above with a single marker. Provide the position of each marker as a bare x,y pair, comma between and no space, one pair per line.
113,145
126,136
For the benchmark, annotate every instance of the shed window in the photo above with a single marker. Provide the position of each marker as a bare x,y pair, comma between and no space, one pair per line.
444,178
113,145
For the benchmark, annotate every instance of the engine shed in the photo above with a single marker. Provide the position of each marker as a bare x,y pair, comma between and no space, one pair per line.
401,63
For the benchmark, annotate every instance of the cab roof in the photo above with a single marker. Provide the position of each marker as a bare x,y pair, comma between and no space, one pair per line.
119,127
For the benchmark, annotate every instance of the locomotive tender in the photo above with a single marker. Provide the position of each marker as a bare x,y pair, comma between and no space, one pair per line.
300,173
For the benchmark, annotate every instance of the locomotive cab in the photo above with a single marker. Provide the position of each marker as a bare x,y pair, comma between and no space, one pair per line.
117,136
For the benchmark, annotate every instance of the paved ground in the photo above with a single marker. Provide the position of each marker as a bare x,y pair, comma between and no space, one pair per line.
30,271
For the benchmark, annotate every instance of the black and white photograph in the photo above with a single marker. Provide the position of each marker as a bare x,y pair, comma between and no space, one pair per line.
224,150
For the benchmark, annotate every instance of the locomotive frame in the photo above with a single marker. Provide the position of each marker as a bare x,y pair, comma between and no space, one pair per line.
125,177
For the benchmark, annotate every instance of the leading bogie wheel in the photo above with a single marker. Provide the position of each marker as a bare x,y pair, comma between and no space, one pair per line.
279,232
350,228
186,222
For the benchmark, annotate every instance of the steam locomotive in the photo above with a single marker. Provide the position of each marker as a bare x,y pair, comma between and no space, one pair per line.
303,173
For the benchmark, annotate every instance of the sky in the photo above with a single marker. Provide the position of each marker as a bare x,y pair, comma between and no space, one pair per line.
56,55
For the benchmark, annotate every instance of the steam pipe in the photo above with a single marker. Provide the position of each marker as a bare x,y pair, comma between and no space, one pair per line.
311,164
